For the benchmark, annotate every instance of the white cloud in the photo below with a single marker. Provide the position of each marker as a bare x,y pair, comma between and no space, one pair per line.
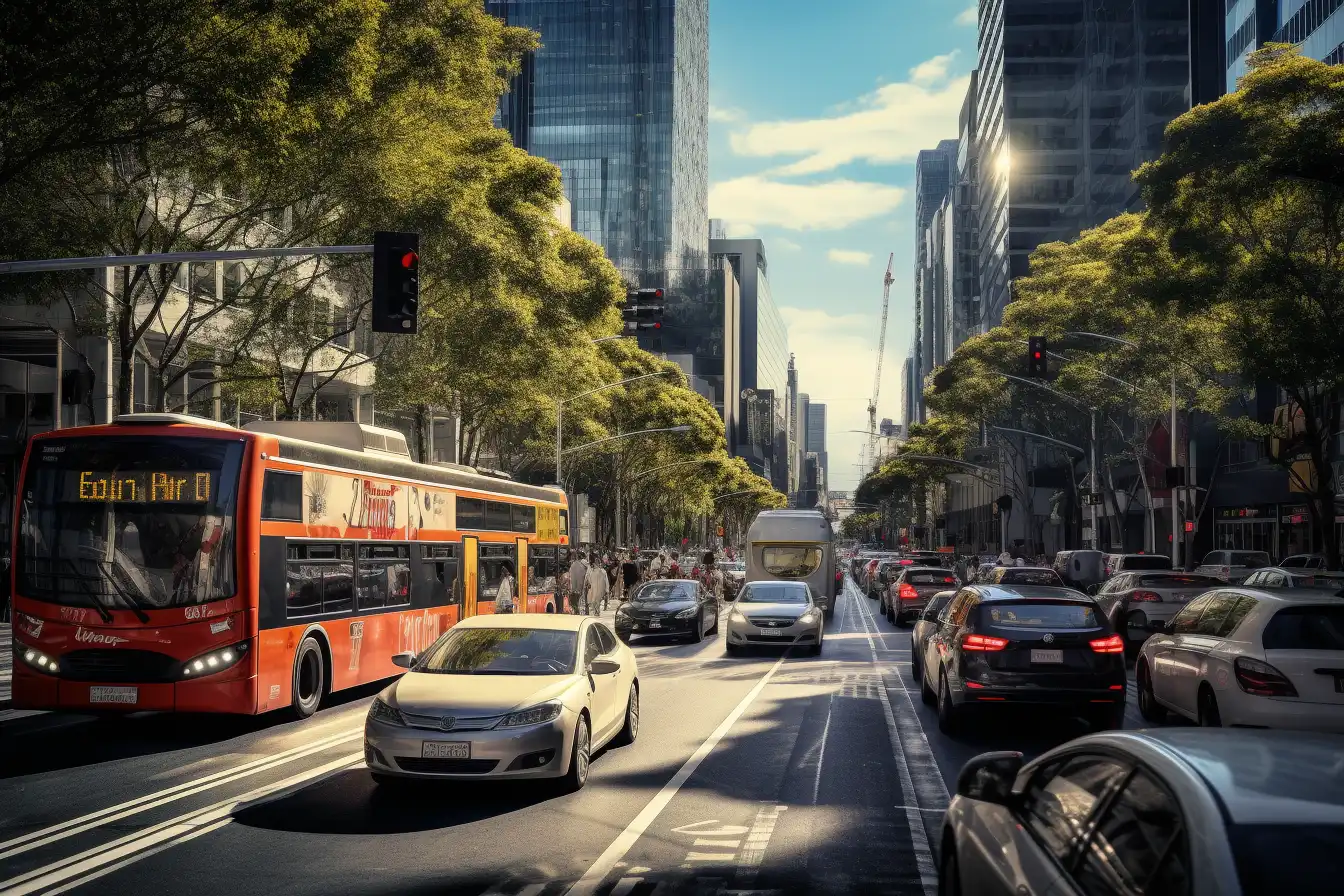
754,201
782,242
725,113
969,16
888,126
835,355
850,256
931,71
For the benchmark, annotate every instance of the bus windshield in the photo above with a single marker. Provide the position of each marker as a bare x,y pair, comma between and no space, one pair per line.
133,523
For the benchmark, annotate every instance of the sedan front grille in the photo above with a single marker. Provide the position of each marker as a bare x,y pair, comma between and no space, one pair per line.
772,621
458,723
447,766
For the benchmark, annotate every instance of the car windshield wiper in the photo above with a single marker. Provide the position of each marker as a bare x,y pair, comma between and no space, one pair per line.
122,592
84,586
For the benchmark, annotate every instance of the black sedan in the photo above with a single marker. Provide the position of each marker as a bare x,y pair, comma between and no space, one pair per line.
1024,644
669,607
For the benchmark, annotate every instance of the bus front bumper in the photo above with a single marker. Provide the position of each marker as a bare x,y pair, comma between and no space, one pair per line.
34,691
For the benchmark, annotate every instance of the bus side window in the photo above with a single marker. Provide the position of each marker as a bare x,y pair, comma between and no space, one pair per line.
439,575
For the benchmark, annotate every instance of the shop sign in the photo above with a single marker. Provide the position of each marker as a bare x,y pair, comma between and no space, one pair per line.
1296,514
1244,513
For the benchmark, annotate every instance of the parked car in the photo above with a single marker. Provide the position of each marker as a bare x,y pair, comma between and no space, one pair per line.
1304,561
1118,563
1023,644
504,697
910,590
1283,577
1232,566
1173,811
1023,575
1247,656
1131,600
668,607
925,625
1080,569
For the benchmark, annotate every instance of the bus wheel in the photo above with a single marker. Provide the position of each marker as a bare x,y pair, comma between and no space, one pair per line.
308,678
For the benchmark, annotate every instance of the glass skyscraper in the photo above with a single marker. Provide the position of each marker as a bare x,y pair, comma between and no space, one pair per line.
617,97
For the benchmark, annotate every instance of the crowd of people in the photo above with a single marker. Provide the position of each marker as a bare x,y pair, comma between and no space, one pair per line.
596,578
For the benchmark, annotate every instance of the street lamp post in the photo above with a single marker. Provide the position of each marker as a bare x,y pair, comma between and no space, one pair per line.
560,412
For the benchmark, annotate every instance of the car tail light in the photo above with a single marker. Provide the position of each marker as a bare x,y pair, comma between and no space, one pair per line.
1113,644
907,592
1262,679
1149,596
907,562
982,642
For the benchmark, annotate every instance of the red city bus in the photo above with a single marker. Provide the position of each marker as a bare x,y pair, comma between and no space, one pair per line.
170,563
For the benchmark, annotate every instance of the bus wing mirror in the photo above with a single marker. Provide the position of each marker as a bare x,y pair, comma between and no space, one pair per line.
404,660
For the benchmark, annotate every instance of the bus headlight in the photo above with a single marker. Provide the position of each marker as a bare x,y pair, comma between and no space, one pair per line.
39,660
217,660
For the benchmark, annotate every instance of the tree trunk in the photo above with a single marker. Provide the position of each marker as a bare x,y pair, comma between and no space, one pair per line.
125,382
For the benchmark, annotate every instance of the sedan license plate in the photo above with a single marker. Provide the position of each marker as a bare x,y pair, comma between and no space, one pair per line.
1047,656
434,749
114,695
773,632
654,624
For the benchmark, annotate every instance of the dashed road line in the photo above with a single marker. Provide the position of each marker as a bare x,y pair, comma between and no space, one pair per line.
758,839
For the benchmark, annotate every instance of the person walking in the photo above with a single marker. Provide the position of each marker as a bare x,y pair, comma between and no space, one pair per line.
656,565
598,587
712,577
504,596
629,575
673,568
578,577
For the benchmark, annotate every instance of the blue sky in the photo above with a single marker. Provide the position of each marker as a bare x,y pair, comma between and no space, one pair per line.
817,111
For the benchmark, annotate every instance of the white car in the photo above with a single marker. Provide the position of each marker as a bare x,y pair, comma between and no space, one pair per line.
528,695
1244,656
775,613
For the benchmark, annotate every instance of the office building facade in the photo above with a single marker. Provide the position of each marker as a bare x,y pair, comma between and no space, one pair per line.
756,412
816,435
617,97
1072,96
935,172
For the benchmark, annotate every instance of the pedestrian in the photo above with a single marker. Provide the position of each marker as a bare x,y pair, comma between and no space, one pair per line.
712,577
1019,562
673,568
656,565
504,596
578,576
1005,559
629,574
598,588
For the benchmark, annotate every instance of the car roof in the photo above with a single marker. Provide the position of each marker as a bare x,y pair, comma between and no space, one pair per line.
937,569
1005,591
1260,776
556,621
1290,595
777,582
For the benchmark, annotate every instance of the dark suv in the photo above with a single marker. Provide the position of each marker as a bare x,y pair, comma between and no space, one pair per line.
1024,644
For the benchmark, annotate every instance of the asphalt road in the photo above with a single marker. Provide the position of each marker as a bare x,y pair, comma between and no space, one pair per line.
767,773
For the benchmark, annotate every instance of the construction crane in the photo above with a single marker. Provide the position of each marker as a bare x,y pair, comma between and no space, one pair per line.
877,376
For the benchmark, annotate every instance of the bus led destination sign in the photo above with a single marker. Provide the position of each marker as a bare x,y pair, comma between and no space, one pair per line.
146,487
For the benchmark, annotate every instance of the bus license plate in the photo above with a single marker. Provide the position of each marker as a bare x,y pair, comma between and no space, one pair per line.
434,749
1047,656
114,695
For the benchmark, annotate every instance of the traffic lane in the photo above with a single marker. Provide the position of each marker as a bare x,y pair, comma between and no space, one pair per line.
344,834
57,766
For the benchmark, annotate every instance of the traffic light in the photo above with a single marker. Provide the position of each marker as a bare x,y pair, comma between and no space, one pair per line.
643,313
396,282
1037,353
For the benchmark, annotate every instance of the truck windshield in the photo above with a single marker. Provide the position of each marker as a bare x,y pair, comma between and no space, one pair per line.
134,523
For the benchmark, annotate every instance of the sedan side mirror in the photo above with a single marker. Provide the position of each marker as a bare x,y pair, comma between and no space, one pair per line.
404,660
989,777
603,667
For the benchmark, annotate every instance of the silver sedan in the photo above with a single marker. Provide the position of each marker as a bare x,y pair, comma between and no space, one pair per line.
770,613
520,696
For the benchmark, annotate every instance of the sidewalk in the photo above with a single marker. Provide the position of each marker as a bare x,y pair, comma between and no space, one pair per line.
6,663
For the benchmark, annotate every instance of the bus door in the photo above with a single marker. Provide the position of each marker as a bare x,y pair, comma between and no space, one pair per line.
470,558
521,600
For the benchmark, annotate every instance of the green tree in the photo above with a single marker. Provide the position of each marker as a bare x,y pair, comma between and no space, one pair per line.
1249,196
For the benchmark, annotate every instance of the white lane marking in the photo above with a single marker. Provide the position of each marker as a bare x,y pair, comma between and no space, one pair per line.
821,751
13,715
710,857
919,838
93,863
597,872
698,828
731,844
48,835
753,854
625,885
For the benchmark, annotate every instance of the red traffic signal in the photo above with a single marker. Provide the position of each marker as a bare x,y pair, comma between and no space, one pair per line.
396,282
1189,525
409,260
1037,365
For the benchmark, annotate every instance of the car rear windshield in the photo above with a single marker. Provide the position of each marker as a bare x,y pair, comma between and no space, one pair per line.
773,593
1031,577
1039,614
1180,581
929,577
1146,561
1250,559
1306,628
1273,859
502,651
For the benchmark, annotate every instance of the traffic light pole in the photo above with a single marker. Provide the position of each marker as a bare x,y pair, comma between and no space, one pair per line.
1176,528
133,261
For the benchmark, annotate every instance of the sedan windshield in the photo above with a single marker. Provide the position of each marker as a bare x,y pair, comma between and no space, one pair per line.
773,593
501,651
662,592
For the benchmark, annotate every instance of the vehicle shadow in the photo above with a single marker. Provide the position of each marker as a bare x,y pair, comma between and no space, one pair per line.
58,741
351,803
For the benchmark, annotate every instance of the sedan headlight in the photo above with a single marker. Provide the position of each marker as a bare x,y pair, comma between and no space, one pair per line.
737,615
379,711
39,660
809,617
688,612
216,660
537,715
